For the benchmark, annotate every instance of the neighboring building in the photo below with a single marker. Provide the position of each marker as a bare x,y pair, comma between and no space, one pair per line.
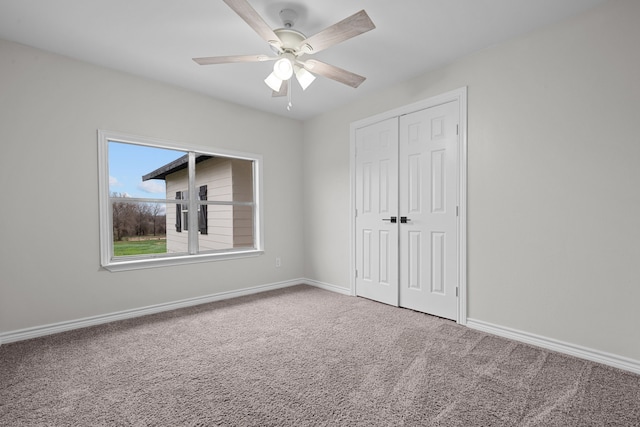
218,179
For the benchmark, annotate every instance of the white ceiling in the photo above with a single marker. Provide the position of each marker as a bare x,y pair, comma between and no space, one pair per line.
158,38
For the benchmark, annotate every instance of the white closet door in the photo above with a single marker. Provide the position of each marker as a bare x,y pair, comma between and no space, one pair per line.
376,204
407,210
428,185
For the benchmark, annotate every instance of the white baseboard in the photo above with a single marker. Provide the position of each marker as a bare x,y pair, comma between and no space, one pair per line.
327,286
598,356
54,328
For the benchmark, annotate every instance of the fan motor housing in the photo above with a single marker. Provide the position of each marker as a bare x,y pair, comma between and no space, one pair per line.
291,39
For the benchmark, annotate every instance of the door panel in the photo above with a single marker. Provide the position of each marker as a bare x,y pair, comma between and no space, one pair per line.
376,202
414,260
428,147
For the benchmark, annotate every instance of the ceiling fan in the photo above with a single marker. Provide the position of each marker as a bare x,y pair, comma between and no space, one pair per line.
290,45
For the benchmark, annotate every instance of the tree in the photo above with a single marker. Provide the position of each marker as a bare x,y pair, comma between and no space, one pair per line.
156,209
136,218
123,217
142,214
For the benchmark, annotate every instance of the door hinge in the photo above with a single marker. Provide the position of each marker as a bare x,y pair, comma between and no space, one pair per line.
356,213
457,211
456,292
457,129
356,273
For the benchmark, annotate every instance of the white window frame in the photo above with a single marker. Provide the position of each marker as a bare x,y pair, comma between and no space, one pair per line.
111,263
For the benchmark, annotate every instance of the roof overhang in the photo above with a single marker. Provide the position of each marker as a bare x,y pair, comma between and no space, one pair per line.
173,167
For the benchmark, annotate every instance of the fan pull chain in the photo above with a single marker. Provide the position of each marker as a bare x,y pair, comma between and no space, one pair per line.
289,104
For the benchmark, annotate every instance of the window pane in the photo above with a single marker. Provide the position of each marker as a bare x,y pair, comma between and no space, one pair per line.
139,171
228,227
138,228
227,179
243,227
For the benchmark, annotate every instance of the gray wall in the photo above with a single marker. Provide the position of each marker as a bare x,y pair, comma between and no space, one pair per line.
553,199
50,110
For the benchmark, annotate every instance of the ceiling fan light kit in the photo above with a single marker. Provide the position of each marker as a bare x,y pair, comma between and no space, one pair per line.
304,77
289,45
273,82
283,68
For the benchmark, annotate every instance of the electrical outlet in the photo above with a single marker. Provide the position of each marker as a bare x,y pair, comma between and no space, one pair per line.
278,262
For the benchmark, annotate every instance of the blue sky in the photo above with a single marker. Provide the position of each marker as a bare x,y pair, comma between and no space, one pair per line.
129,162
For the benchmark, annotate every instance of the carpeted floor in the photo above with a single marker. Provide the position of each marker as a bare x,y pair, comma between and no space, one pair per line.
303,356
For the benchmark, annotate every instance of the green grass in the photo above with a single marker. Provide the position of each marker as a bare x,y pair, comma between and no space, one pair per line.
140,247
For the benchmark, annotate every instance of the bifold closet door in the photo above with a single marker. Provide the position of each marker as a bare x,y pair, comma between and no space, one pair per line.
428,146
376,206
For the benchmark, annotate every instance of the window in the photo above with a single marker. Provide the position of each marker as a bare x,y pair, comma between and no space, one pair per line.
182,211
163,203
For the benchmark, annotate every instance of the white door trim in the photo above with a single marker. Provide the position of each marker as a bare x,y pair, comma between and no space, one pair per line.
461,96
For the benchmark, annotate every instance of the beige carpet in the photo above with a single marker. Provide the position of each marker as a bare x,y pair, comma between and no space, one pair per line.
303,357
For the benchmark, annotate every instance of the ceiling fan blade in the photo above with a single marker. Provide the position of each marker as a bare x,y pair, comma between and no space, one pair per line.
235,58
352,26
332,72
284,89
255,21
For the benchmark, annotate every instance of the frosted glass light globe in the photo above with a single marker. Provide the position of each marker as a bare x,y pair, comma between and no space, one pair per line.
283,69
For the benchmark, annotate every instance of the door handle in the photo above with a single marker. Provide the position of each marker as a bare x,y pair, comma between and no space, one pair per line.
393,219
404,219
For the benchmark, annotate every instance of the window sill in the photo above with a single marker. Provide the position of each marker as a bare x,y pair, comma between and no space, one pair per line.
138,264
